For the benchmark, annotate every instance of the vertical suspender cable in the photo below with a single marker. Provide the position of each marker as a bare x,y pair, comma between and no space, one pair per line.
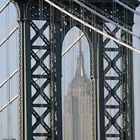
93,101
52,86
63,22
124,53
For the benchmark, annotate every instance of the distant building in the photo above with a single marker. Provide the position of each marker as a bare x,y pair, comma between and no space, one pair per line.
77,115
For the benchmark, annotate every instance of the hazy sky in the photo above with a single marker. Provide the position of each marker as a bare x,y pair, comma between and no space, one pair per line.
8,64
137,76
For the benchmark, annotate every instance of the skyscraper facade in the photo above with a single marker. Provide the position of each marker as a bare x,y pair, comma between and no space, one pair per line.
77,114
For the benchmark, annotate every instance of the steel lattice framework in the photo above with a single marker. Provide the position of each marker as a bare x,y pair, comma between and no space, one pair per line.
40,67
36,85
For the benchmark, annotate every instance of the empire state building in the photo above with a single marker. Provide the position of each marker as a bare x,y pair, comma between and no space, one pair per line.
77,115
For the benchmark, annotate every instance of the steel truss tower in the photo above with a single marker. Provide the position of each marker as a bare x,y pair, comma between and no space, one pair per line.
40,67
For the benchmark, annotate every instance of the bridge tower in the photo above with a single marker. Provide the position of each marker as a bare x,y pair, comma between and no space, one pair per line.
40,112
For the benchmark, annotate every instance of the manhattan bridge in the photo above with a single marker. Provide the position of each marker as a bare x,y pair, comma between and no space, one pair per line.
69,69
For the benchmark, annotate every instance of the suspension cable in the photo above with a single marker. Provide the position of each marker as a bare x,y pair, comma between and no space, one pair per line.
68,49
14,73
8,36
5,81
127,7
7,104
105,18
4,6
93,28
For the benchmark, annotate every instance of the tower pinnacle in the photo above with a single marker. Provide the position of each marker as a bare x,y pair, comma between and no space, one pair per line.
80,71
80,75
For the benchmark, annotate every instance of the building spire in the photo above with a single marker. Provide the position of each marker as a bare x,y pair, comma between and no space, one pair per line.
80,71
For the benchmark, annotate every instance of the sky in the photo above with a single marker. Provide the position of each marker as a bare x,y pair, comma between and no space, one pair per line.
136,66
8,64
9,55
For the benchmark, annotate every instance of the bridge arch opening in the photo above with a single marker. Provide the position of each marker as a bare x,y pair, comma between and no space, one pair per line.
76,87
